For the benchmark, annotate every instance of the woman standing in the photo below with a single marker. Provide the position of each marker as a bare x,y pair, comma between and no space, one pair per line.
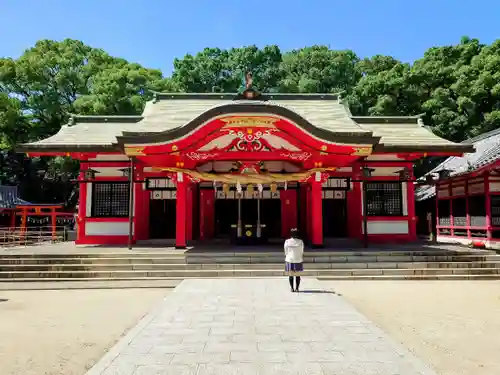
294,254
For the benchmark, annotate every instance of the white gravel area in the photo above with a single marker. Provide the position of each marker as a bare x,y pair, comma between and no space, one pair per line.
64,332
454,326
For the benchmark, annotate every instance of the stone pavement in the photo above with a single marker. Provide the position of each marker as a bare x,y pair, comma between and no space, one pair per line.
256,326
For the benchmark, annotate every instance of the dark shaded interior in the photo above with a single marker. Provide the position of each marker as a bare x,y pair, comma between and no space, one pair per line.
162,218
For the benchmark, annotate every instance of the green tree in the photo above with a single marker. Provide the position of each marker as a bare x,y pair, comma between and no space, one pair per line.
217,70
456,87
52,80
319,69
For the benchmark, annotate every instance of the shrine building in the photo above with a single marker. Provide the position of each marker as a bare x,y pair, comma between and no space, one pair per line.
461,195
245,168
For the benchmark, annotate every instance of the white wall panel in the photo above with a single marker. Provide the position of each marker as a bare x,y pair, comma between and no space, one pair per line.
387,227
88,203
494,186
106,228
404,193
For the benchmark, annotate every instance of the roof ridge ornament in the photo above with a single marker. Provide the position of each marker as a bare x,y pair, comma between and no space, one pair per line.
248,80
247,92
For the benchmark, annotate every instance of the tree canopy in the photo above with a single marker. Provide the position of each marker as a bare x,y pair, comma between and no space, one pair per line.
457,88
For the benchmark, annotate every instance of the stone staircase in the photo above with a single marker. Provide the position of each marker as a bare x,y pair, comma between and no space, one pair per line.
325,265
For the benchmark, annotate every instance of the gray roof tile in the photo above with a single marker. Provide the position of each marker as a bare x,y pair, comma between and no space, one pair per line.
9,197
172,111
404,134
487,148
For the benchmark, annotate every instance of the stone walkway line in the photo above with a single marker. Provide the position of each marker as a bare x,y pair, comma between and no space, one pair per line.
256,326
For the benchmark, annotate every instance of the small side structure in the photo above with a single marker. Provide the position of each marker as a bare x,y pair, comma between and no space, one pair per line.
467,204
9,199
18,216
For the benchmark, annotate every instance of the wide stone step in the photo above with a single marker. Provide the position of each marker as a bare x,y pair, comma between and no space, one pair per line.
336,258
172,281
95,254
261,259
68,267
89,261
245,273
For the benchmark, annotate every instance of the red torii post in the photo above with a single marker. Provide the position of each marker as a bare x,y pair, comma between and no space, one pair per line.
27,210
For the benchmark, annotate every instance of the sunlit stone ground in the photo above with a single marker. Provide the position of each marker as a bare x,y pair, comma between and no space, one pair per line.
452,325
65,332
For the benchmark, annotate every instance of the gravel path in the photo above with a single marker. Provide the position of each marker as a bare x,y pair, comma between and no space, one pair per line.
451,325
64,332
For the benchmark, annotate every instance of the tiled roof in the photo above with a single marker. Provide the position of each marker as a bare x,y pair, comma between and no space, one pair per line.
9,197
487,148
173,111
170,114
401,131
89,131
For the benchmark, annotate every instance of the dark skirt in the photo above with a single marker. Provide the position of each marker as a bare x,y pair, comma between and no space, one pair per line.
294,267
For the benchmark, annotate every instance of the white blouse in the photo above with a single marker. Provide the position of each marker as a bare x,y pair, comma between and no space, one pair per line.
294,250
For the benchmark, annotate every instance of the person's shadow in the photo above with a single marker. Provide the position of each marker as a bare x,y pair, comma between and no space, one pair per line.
319,291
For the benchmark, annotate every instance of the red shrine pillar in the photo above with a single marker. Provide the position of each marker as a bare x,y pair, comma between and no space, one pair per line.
288,211
141,206
189,210
412,215
355,205
308,195
303,210
316,212
487,201
181,210
82,205
207,214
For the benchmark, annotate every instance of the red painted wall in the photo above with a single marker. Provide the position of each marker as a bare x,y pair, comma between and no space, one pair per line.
288,211
296,206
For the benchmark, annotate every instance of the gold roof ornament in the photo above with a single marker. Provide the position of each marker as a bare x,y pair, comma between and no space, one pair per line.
134,151
362,151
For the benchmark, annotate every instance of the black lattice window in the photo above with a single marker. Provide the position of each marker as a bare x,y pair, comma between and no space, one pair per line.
110,199
384,199
495,210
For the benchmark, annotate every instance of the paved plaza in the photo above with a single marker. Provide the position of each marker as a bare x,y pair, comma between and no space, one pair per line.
256,326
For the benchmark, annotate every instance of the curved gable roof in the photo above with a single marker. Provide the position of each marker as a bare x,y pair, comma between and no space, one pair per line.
325,119
170,115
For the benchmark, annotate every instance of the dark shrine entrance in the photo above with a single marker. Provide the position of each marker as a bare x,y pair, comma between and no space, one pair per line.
250,210
162,215
271,217
335,215
226,214
335,208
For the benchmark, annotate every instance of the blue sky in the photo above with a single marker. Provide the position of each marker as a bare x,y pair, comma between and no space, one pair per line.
154,32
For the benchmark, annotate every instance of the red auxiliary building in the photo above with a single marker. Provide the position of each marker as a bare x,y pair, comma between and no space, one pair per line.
463,195
245,166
